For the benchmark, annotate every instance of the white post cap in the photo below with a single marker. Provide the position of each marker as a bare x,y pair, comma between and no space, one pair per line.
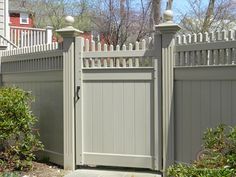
70,20
69,30
168,16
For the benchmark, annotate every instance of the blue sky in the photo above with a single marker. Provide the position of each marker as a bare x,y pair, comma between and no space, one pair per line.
181,5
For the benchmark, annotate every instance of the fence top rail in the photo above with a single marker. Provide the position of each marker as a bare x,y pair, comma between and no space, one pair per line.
206,46
194,38
27,28
119,54
33,56
206,41
98,50
98,55
215,48
30,50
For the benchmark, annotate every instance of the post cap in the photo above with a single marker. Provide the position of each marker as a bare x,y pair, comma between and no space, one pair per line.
168,26
168,16
70,20
69,30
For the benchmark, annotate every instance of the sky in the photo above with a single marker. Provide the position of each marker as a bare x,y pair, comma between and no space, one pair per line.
181,6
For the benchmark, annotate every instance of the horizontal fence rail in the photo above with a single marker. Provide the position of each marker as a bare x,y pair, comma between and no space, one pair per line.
103,56
31,59
24,36
31,49
208,49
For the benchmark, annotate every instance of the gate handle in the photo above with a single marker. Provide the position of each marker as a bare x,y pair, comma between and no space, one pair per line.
77,92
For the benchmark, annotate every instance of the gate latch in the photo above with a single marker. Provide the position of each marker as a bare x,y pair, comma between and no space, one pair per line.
77,92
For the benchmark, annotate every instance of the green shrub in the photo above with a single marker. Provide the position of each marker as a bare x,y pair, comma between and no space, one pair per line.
217,159
18,141
9,174
183,170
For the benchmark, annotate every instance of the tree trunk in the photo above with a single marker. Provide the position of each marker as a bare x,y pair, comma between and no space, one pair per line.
209,14
155,13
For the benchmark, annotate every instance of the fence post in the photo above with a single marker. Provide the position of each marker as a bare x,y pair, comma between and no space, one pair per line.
69,33
79,45
1,69
165,36
49,34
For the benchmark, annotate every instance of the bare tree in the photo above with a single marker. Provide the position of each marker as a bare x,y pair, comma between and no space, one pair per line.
217,15
53,12
121,21
209,14
169,4
155,13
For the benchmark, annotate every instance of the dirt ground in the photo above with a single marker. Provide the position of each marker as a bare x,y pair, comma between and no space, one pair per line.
44,170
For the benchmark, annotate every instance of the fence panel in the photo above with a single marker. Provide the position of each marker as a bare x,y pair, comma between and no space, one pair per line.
216,48
40,71
205,78
204,98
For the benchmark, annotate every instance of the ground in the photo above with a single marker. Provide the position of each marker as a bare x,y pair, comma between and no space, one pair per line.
44,170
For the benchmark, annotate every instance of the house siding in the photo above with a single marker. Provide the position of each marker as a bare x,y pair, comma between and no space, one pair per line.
4,18
15,20
2,6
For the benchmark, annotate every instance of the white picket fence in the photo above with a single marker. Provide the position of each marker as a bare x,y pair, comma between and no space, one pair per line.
208,49
25,36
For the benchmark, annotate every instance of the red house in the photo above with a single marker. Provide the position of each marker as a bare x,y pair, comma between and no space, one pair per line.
19,15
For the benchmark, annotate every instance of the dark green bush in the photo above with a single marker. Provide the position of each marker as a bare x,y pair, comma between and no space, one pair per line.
18,140
217,159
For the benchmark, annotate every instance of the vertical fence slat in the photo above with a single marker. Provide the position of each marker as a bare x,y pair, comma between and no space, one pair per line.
123,59
231,50
111,59
177,57
28,38
137,49
130,61
15,36
199,52
205,53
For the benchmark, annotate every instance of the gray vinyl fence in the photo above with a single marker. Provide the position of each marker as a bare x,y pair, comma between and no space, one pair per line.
97,105
205,84
39,69
144,105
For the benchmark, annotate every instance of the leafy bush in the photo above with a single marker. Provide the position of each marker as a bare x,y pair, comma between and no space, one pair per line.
183,170
9,174
217,159
18,141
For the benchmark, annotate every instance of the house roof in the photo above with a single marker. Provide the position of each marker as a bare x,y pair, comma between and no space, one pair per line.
18,7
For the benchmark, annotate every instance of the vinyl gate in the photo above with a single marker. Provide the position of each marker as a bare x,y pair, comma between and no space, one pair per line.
118,101
117,107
